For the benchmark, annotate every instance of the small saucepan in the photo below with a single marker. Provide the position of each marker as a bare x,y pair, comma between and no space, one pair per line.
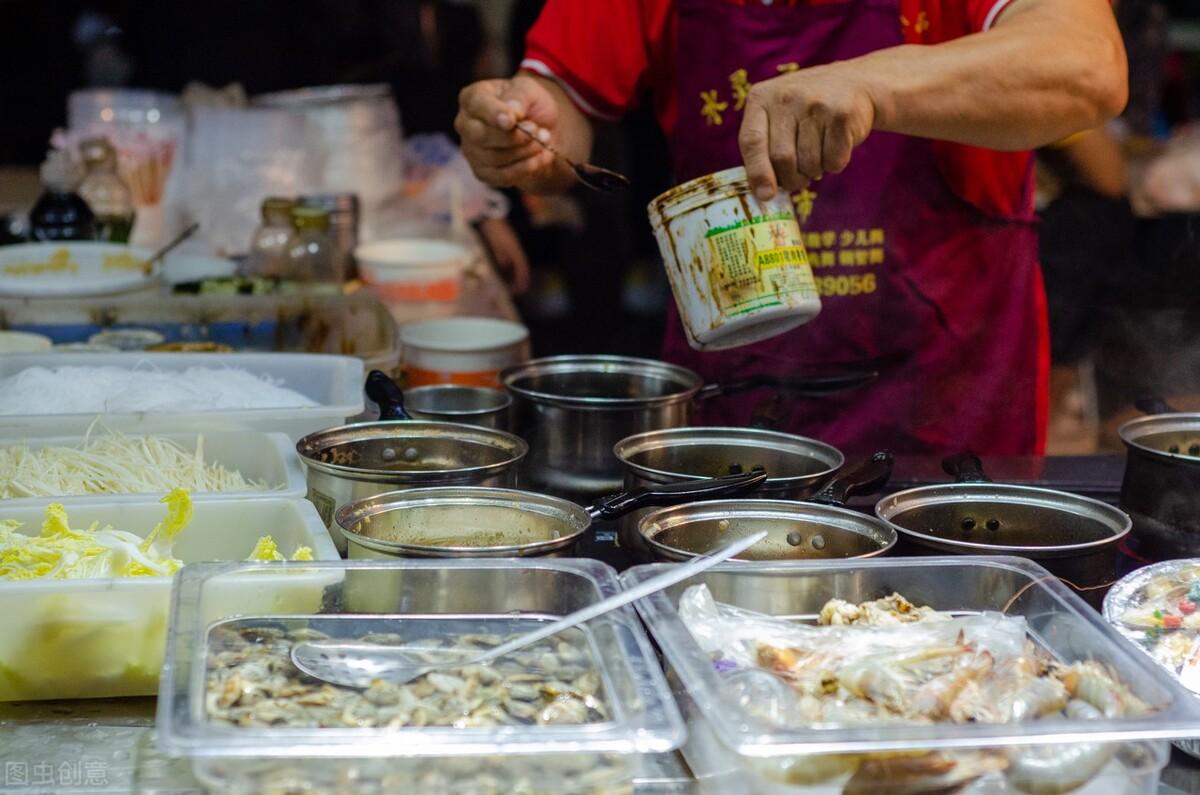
573,409
1161,487
468,405
818,529
499,523
1075,537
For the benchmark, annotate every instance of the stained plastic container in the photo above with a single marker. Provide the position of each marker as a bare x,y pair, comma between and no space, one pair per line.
414,269
736,264
269,458
333,382
101,638
470,351
732,751
420,599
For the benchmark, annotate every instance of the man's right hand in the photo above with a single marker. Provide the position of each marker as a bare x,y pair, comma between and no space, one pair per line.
500,154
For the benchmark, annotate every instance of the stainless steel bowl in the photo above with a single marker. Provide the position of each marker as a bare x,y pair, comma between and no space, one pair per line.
353,462
469,405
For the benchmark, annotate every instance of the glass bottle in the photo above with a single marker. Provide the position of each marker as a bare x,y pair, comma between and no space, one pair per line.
268,253
105,192
311,256
60,213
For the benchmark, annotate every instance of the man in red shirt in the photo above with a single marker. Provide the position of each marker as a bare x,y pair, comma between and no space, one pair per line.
900,127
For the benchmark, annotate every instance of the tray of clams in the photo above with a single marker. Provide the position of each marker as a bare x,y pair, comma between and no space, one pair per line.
572,713
1158,608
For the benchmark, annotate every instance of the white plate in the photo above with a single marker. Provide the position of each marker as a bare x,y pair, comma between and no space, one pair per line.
91,277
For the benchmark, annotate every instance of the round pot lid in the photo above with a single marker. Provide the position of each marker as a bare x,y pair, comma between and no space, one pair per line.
601,382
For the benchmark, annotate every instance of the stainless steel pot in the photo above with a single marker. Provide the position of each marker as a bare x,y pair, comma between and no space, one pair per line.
796,467
352,462
819,529
470,405
573,409
480,522
1075,537
1161,487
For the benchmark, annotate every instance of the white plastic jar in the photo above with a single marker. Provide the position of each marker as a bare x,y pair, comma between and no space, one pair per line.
736,264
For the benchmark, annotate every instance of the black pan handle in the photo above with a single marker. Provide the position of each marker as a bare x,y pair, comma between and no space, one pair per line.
965,468
1154,404
799,385
385,392
867,478
617,505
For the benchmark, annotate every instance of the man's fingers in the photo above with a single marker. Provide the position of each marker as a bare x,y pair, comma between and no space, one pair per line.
837,144
508,176
484,101
754,140
808,151
782,147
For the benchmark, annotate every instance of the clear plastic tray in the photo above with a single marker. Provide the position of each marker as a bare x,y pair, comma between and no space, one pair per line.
333,382
349,325
264,457
102,638
421,597
1058,620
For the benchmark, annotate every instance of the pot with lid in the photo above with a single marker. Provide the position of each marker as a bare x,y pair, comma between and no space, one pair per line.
469,405
819,529
573,409
797,467
352,462
1075,538
1161,486
475,522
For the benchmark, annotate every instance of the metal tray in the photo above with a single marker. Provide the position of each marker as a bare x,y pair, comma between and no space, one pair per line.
645,719
1058,619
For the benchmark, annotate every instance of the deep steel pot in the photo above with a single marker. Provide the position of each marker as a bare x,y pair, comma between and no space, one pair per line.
819,529
481,522
352,462
1075,538
796,467
1161,487
573,409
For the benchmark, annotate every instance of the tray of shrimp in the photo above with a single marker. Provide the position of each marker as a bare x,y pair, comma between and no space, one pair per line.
921,675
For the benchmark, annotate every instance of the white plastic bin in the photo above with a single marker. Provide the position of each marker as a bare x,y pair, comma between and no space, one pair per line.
102,638
333,382
267,457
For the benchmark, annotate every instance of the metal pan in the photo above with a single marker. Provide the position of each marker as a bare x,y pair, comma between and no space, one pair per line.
573,409
819,529
498,523
1161,486
469,405
1075,537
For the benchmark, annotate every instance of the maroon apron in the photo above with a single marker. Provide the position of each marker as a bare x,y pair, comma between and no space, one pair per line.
945,299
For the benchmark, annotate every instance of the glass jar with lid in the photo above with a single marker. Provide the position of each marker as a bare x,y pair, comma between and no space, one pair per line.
268,254
310,253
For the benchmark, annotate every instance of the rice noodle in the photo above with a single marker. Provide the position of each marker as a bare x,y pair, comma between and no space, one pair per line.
98,390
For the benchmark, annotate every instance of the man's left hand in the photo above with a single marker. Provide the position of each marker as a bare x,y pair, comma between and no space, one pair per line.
802,125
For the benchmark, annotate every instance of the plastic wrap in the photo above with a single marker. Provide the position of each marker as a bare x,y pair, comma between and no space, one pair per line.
1158,608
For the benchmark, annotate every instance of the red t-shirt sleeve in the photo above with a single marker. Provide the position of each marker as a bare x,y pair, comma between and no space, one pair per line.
600,52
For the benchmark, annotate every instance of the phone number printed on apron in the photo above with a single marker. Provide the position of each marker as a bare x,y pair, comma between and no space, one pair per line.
758,263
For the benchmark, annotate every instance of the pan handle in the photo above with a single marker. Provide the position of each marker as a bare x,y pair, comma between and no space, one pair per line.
965,468
617,505
384,391
867,478
1154,404
799,385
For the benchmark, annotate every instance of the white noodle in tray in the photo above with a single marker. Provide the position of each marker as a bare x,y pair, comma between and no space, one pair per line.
108,389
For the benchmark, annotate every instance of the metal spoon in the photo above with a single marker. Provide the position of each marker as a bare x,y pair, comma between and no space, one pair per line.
356,664
148,264
595,177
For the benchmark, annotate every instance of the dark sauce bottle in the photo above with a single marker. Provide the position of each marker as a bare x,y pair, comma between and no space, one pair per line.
60,213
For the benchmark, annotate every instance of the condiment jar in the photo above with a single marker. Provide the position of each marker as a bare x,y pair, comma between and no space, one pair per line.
268,253
60,213
310,256
105,192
